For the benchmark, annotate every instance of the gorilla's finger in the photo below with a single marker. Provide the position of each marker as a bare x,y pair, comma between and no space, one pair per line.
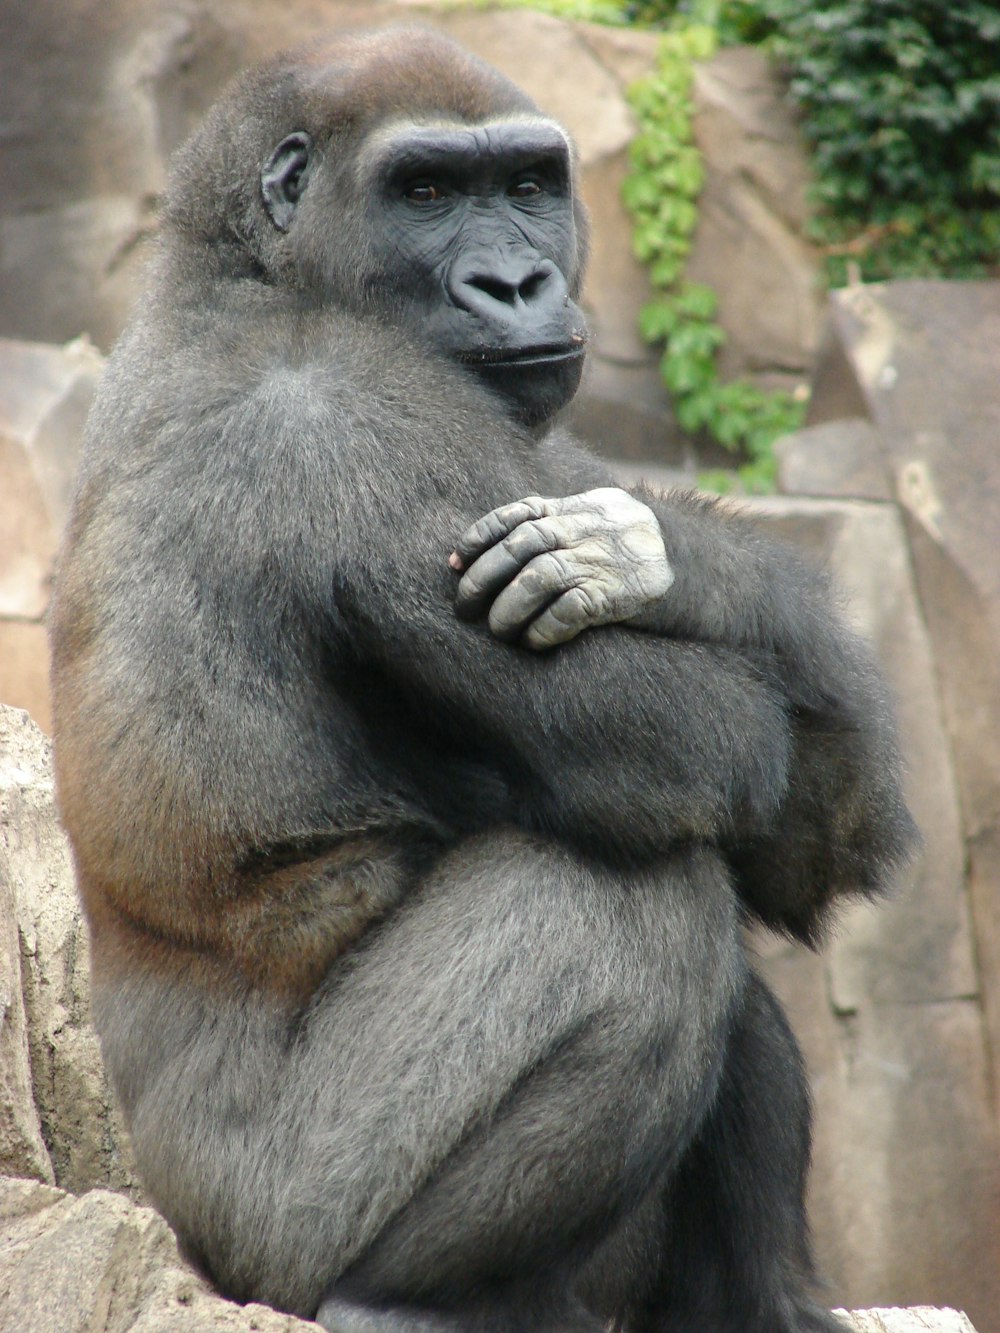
528,594
496,567
562,621
496,525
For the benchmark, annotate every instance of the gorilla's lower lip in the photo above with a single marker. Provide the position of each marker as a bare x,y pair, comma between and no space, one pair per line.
545,354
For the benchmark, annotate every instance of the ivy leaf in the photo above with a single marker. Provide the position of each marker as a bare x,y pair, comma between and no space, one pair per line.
657,321
698,301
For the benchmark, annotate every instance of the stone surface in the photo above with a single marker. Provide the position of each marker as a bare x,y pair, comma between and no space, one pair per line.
45,393
82,1131
919,1319
843,458
905,1190
100,1264
748,245
921,359
906,1182
22,1148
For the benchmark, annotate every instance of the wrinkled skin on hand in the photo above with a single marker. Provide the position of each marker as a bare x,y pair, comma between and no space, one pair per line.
549,568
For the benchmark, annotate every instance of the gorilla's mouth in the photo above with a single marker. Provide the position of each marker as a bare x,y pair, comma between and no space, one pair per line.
542,354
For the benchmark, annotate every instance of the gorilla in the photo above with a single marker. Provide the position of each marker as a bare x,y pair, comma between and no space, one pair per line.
421,782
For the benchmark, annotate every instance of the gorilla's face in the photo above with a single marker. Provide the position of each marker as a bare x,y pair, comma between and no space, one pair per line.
468,238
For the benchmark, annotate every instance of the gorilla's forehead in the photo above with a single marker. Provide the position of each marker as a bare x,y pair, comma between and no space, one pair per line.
399,70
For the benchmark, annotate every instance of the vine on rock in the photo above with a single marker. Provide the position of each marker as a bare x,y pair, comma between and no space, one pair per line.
661,193
901,100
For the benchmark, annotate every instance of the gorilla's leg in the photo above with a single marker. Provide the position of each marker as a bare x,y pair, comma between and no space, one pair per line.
510,1216
736,1246
475,1094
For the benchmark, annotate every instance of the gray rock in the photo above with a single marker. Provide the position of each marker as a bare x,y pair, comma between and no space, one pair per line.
82,1130
921,358
905,1192
22,1148
843,459
919,1319
100,1264
749,244
45,393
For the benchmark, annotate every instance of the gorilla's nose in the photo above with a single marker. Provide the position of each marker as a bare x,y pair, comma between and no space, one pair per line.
509,291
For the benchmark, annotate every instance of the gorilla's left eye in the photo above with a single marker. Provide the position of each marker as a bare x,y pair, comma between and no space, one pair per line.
525,187
423,192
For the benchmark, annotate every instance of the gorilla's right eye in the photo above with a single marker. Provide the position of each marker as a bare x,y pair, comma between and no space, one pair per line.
423,192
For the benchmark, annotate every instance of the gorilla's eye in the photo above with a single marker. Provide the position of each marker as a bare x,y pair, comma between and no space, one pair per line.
423,192
524,187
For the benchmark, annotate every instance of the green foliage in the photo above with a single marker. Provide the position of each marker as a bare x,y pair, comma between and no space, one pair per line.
610,12
661,193
901,101
731,20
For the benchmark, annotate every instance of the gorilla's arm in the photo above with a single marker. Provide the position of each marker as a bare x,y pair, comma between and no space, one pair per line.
620,742
309,565
843,825
546,569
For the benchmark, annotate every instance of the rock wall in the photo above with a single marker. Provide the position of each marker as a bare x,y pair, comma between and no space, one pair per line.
44,396
906,410
58,1123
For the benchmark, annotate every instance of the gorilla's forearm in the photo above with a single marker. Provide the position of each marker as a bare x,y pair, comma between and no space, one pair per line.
618,741
735,587
843,826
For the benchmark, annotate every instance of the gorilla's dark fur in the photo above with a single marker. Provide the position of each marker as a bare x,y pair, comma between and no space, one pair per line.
417,953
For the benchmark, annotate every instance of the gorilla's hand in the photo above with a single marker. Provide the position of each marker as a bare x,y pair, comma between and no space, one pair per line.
552,568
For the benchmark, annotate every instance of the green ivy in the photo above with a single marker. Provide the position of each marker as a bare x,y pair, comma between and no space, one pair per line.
901,100
661,192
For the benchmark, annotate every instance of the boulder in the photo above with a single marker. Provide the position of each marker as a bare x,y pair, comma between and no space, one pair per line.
45,393
905,1188
919,360
47,956
100,1264
749,245
22,1148
842,458
919,1319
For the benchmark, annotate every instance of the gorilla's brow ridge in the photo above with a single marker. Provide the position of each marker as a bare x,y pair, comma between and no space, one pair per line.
379,145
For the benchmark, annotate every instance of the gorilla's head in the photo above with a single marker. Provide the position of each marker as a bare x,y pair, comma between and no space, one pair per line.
394,174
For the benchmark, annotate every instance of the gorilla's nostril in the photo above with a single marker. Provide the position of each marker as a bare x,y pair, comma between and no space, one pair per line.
532,285
497,288
507,283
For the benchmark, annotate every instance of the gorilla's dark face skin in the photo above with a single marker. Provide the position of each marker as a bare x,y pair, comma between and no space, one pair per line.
472,237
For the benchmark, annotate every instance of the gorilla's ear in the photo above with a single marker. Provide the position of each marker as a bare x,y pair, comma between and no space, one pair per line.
284,177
